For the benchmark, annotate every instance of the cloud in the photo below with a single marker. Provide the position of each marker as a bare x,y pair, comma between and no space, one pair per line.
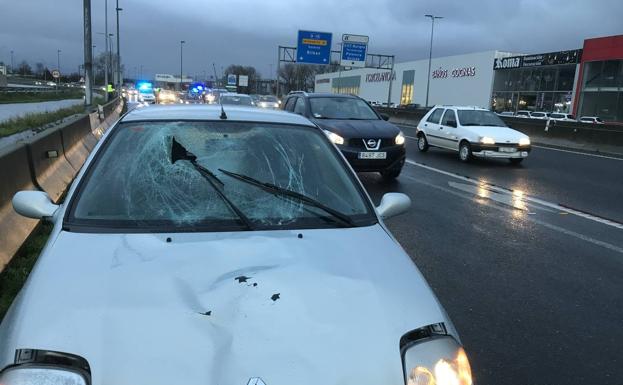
249,32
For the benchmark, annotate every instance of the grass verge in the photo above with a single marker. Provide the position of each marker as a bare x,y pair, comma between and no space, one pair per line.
14,275
36,120
34,97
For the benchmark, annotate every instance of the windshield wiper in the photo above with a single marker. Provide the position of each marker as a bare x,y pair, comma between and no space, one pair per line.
179,152
280,191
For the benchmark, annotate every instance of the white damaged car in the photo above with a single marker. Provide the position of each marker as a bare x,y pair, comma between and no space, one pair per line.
234,247
471,132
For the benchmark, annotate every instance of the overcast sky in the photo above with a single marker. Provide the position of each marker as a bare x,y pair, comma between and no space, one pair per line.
249,32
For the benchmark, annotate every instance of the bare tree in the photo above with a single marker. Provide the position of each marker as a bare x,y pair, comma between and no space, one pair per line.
24,68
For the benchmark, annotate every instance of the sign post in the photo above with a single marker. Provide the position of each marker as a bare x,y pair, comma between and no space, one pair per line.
313,47
354,48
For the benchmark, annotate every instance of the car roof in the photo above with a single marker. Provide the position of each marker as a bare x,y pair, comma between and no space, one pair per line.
213,112
323,95
460,107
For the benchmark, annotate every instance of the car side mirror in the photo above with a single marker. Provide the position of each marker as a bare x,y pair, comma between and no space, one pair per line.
452,123
34,204
393,204
385,117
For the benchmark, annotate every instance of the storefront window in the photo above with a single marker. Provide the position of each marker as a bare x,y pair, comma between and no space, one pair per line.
548,76
592,72
610,74
605,105
406,94
566,75
346,85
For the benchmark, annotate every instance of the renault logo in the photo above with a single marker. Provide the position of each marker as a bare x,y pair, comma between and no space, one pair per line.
255,381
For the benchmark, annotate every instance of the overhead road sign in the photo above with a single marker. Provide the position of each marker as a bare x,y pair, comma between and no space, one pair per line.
231,80
313,47
354,48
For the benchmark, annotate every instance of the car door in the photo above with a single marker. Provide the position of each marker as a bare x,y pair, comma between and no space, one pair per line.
448,130
431,127
289,104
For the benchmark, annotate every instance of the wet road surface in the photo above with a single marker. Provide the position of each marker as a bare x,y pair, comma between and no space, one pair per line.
534,288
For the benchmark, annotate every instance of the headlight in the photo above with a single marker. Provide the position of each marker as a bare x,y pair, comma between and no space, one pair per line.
335,138
524,141
487,140
34,375
263,104
437,361
400,139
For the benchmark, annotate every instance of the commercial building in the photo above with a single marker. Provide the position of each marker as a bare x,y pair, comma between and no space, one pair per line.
587,81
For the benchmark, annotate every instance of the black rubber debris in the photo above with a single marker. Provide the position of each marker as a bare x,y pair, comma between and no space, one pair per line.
275,297
242,278
208,313
300,236
168,239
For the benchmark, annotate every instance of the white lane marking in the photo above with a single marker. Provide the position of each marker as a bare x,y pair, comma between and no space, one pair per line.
577,152
531,219
525,197
411,137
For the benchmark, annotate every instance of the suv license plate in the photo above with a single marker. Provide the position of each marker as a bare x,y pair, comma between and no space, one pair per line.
372,155
508,149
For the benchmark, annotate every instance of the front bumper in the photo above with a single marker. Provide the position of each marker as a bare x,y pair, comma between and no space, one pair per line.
493,151
396,156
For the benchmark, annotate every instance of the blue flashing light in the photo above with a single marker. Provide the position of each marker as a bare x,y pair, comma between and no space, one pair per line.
144,86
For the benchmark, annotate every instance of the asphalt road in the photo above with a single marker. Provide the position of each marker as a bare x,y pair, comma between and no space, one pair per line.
534,288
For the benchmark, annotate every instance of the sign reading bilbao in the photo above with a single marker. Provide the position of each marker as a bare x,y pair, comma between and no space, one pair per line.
455,73
380,77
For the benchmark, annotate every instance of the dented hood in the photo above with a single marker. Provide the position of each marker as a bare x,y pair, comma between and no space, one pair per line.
221,308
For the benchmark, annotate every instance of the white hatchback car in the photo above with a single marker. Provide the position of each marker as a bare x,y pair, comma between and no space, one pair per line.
471,131
205,247
561,116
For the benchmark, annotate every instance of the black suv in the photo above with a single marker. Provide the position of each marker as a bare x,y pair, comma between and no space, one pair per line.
366,139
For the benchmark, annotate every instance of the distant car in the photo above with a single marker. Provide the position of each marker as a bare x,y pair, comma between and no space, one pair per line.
591,119
167,96
539,115
391,105
410,106
472,132
268,101
219,250
255,98
562,117
236,99
147,96
366,139
52,84
506,113
213,95
522,114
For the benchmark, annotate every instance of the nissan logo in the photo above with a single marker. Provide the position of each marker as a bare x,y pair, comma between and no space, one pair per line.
371,143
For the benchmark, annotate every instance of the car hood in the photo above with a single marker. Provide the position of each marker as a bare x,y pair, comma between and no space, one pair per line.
500,134
220,308
359,128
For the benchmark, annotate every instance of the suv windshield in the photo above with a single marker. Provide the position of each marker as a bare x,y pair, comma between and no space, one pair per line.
341,108
135,183
479,118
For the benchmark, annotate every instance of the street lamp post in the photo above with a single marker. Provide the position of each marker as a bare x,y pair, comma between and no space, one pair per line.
58,66
430,53
106,65
181,61
119,80
12,65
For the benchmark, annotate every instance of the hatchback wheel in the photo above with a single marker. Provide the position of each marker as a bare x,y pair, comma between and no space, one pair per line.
465,152
422,143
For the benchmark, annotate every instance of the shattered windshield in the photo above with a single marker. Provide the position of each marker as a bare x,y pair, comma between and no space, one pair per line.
135,184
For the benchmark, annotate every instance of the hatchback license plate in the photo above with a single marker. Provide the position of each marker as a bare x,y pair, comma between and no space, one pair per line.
508,149
372,155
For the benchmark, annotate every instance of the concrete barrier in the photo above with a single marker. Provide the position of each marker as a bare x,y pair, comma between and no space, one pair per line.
15,174
49,161
51,169
78,141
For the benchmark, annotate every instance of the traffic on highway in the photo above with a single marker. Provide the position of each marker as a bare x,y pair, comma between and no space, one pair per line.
353,212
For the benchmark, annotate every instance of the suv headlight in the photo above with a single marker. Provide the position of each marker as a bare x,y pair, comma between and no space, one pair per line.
41,375
335,138
400,139
524,141
487,140
437,361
